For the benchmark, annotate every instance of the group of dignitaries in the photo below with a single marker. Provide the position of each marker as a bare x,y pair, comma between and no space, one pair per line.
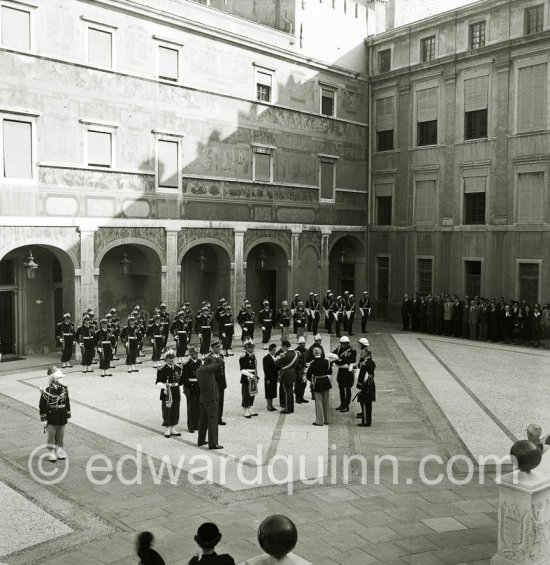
496,320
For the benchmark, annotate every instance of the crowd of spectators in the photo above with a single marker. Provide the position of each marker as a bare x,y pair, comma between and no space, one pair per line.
477,318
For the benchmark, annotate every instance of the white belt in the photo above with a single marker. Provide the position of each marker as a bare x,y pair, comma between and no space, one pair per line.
205,327
158,336
87,338
267,320
67,334
132,337
192,380
321,376
344,367
182,332
105,342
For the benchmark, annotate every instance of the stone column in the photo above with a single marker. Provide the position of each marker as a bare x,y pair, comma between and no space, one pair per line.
88,273
238,281
325,234
170,292
294,262
523,519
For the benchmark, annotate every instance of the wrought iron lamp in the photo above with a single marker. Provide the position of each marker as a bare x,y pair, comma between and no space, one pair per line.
203,259
125,264
30,267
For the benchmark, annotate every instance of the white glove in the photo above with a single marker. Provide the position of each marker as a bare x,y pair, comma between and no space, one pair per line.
247,373
161,385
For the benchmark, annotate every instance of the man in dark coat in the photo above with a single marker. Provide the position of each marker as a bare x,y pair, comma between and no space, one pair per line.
287,362
209,397
367,389
270,376
191,389
406,312
220,378
65,335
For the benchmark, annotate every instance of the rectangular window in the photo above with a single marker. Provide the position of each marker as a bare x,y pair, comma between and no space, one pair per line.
100,48
474,199
382,285
15,28
168,163
264,84
530,199
384,60
328,96
428,49
427,133
477,35
475,124
383,210
168,61
425,202
472,278
100,148
534,19
426,116
327,179
475,107
262,166
424,275
17,149
529,282
384,124
532,98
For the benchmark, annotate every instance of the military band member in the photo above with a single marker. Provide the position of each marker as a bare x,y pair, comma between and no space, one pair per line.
115,321
140,324
364,306
85,337
55,410
226,320
249,379
65,336
155,334
245,318
169,379
271,374
287,361
293,306
189,320
307,306
300,320
345,301
338,313
350,313
346,359
220,311
178,329
284,316
266,321
191,389
328,301
165,323
220,377
131,336
315,313
203,327
104,341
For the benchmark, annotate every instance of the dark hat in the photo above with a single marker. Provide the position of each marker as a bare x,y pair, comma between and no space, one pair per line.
272,346
208,534
215,343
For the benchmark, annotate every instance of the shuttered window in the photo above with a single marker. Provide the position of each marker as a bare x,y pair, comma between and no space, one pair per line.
16,28
168,63
532,98
425,202
383,195
100,48
17,153
168,163
384,123
426,105
475,93
99,148
327,179
530,198
474,199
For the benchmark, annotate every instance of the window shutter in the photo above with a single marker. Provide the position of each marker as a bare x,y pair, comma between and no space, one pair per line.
530,198
17,149
384,114
168,163
532,87
99,148
474,184
327,179
99,48
262,164
475,93
263,78
425,202
16,30
168,63
383,189
426,105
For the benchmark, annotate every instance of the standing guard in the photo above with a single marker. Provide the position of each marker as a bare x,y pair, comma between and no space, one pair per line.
346,359
300,320
179,330
364,306
104,341
155,333
113,319
226,321
345,301
328,301
140,324
308,305
209,398
249,379
293,306
203,327
188,320
266,321
85,337
220,311
245,318
169,379
284,320
221,382
270,377
191,389
350,313
300,385
131,337
337,310
315,313
65,336
165,323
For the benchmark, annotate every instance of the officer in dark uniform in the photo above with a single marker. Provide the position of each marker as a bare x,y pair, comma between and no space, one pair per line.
104,341
65,336
131,337
155,333
284,316
364,306
85,337
300,320
178,329
328,301
350,313
169,379
315,313
346,358
308,305
220,310
140,324
113,319
300,384
188,320
367,388
270,377
245,318
266,320
338,312
249,379
203,327
406,304
165,322
345,301
293,306
227,324
191,389
220,377
209,398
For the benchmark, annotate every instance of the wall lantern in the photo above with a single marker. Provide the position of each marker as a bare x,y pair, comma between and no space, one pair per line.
262,256
202,260
342,256
125,264
31,267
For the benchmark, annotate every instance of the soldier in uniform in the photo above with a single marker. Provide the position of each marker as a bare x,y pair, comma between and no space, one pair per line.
178,329
308,305
188,320
315,310
113,319
270,377
226,320
346,359
203,327
249,379
104,341
65,336
140,324
345,301
155,333
350,313
293,306
364,306
209,398
55,410
165,323
169,379
266,320
220,310
367,387
131,337
191,389
245,318
328,301
284,315
220,377
300,320
338,313
287,361
85,337
317,339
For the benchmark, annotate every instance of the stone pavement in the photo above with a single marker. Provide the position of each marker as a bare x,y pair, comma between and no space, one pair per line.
364,521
